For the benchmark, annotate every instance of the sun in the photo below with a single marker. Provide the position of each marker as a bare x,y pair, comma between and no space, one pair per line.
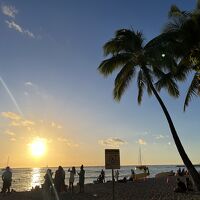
38,147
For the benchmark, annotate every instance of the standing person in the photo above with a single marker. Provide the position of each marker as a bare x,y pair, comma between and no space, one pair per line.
81,179
7,180
189,184
132,177
117,175
59,179
71,178
103,175
47,181
63,187
181,188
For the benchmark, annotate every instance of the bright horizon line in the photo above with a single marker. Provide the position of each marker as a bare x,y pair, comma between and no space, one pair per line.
98,166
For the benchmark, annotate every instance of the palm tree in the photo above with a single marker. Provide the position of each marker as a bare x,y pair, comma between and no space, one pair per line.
129,55
188,32
181,37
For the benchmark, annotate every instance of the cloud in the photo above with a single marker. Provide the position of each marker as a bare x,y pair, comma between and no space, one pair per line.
158,137
33,89
11,116
14,123
112,142
142,142
67,142
29,33
8,132
17,120
27,123
54,125
23,123
13,139
9,11
13,25
29,83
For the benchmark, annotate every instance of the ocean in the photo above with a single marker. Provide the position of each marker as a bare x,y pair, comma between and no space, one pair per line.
26,178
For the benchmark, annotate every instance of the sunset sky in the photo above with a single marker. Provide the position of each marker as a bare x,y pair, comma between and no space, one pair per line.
51,90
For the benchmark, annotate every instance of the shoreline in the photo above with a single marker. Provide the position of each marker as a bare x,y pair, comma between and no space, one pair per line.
149,189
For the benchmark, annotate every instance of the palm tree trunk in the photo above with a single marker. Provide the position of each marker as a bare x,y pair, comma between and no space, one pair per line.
193,172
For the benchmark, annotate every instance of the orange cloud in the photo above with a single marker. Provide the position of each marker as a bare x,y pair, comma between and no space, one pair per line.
112,142
8,132
11,116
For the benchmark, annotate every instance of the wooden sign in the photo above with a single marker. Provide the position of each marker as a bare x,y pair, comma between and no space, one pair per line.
112,159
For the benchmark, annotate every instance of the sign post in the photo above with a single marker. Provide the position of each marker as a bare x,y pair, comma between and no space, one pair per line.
112,161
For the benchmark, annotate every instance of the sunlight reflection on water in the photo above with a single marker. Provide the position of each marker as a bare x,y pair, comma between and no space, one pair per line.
35,177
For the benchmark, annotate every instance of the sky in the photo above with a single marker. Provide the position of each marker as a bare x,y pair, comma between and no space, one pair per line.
51,89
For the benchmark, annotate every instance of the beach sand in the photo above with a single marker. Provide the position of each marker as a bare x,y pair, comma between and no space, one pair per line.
151,189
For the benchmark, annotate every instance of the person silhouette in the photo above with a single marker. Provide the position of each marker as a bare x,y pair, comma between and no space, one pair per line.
81,179
59,179
7,180
71,178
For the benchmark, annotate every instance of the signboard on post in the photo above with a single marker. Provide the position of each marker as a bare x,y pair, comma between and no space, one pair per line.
112,159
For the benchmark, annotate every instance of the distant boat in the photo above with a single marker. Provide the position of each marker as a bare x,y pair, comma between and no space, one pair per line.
140,166
145,169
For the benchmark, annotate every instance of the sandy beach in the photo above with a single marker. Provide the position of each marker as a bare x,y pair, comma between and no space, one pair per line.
151,189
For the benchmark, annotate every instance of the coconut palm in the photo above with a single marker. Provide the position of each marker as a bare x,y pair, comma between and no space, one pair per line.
128,54
181,37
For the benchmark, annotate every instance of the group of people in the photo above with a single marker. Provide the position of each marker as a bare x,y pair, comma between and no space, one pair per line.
59,179
184,187
182,172
101,177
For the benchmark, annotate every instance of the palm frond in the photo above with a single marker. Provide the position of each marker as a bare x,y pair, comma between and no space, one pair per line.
123,80
194,89
183,69
173,26
112,47
131,38
176,12
109,65
168,83
124,41
141,85
161,40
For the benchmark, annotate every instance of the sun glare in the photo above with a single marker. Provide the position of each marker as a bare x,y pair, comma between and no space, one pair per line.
38,147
